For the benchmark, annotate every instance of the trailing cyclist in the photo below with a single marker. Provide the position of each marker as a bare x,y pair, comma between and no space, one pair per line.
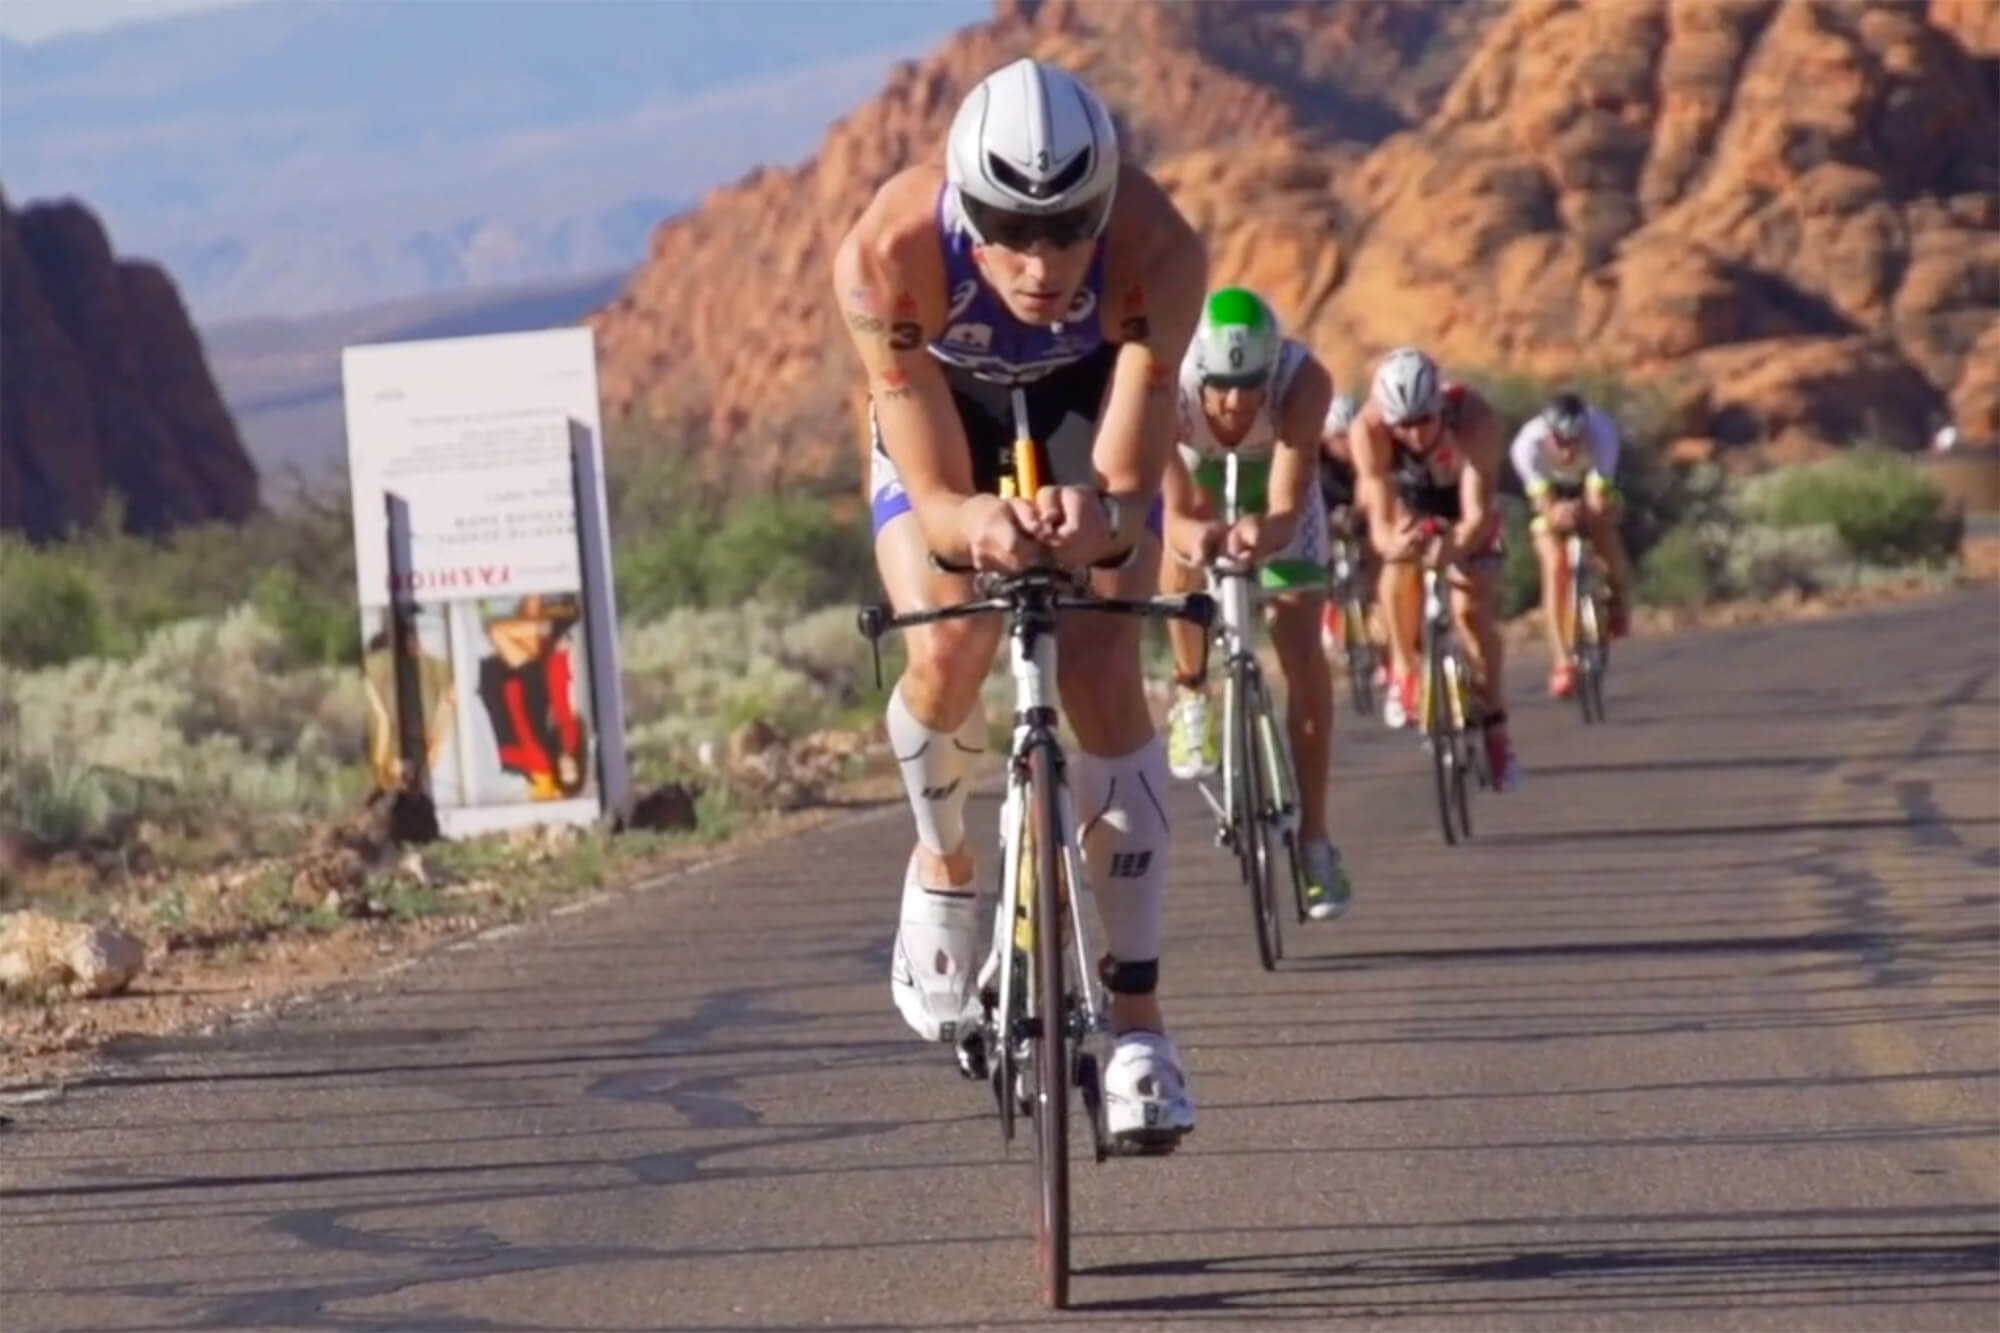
1245,387
1426,448
1032,256
1567,460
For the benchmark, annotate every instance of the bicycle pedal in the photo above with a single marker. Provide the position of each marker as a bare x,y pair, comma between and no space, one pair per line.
971,1052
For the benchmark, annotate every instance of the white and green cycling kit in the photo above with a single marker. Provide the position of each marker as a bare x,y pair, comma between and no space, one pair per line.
1302,563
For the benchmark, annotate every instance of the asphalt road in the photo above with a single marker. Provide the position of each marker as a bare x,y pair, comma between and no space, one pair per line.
1700,1034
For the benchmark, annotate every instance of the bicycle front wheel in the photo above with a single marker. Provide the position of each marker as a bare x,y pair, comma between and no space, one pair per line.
1596,656
1466,745
1442,734
1051,1031
1252,799
1360,659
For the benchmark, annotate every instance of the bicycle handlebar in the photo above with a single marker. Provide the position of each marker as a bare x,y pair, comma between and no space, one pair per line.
1058,589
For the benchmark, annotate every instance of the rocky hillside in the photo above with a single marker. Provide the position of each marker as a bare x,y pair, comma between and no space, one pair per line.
1781,211
728,320
105,388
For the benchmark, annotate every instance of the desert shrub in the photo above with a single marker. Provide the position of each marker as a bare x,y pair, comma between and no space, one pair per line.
1880,506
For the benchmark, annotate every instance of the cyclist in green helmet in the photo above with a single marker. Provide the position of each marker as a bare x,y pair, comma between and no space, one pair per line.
1245,386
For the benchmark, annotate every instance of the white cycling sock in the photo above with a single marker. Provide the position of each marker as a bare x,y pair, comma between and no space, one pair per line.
934,765
1123,828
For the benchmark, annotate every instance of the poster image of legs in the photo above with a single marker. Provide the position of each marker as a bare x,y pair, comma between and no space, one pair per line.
526,709
427,642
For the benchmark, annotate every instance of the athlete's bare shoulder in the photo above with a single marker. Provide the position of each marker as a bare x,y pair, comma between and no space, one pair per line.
1481,432
891,251
1146,226
1368,441
1307,397
1155,267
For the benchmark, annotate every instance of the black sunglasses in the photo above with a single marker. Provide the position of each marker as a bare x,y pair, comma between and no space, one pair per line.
1020,231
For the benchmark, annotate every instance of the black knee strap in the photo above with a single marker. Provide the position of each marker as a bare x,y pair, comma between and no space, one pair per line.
1129,978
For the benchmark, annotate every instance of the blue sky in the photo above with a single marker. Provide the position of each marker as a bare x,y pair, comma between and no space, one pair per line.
32,20
287,156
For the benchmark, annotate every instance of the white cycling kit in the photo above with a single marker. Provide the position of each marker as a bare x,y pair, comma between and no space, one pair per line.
1540,469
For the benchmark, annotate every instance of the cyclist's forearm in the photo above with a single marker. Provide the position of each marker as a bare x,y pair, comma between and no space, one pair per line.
1280,526
947,517
1475,513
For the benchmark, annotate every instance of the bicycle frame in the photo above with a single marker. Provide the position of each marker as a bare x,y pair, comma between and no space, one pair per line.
1235,592
1447,681
1258,813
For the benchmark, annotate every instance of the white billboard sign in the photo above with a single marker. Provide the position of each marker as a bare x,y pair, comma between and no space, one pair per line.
482,549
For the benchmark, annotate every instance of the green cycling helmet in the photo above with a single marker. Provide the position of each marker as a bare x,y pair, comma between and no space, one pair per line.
1237,342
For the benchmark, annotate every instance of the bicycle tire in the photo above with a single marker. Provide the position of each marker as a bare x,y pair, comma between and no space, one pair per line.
1051,1063
1585,653
1005,1065
1600,648
1437,726
1466,743
1360,659
1282,788
1249,815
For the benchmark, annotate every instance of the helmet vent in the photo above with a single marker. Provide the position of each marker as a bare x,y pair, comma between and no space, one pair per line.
1073,173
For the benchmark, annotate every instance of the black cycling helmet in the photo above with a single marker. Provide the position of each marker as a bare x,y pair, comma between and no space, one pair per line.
1564,416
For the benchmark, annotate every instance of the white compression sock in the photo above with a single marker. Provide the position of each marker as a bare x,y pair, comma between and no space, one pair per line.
934,765
1123,827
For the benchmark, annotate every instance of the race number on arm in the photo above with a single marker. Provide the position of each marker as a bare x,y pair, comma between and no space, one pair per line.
888,285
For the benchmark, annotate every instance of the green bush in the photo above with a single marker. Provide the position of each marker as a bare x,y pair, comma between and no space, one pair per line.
316,627
786,549
49,611
1883,509
1679,570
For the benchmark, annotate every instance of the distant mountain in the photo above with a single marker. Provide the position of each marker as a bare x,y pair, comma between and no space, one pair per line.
281,377
105,390
315,155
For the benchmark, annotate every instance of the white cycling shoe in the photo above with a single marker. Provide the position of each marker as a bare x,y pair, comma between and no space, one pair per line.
1146,1104
930,968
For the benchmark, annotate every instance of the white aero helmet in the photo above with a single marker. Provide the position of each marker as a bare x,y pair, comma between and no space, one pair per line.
1032,154
1406,386
1340,414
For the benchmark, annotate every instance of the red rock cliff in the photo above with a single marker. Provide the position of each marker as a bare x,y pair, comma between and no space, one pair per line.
1782,211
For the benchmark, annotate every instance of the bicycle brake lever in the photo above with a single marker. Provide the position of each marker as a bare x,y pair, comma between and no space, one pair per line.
870,620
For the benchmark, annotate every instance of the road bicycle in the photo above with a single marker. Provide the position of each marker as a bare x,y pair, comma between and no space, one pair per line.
1257,812
1449,713
1347,597
1041,1012
1587,610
